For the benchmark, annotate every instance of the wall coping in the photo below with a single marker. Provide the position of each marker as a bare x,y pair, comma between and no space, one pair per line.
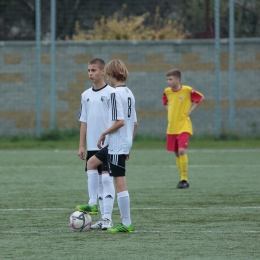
131,42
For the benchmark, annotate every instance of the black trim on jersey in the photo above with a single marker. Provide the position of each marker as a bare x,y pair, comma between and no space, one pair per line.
121,86
80,111
113,104
98,89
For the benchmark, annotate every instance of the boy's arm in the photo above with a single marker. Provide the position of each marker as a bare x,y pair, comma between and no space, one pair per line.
82,140
135,124
127,156
196,98
194,106
135,129
165,100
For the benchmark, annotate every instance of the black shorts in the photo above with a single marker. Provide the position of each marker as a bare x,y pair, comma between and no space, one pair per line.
115,162
117,165
102,155
101,168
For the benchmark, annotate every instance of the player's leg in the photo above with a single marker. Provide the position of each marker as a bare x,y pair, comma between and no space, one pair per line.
93,181
117,166
123,200
98,224
108,194
100,195
178,162
172,146
106,197
109,198
183,159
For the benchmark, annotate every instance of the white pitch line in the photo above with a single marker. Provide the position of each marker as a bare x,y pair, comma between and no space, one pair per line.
28,209
177,208
200,231
199,208
33,209
33,151
36,166
216,150
214,165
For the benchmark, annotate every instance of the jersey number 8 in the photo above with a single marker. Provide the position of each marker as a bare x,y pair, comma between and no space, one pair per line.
129,107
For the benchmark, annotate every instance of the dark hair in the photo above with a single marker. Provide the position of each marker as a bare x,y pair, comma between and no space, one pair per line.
174,72
101,64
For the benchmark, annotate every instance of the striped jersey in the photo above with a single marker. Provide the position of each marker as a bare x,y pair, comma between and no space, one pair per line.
94,111
179,103
122,107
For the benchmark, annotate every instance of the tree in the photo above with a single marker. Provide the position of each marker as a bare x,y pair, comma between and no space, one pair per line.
17,17
247,17
122,27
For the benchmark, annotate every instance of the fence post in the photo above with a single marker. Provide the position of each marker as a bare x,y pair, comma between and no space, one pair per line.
231,66
217,68
52,68
38,66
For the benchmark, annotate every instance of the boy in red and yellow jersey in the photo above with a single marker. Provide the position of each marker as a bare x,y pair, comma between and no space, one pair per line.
180,101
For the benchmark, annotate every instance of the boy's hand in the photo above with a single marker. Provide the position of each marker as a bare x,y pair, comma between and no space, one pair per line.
127,157
81,153
101,141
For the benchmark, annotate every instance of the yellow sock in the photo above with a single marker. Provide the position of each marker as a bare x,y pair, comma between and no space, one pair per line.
184,167
178,164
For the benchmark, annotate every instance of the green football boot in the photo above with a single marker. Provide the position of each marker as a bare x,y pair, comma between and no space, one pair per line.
92,210
121,228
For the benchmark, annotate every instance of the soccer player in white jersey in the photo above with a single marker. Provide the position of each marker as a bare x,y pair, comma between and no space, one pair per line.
94,120
122,126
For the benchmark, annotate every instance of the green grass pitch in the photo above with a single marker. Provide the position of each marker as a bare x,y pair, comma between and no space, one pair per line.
218,217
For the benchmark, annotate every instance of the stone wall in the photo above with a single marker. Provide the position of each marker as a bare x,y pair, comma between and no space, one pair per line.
147,61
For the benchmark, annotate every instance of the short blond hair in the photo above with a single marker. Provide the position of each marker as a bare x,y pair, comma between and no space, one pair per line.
117,69
174,72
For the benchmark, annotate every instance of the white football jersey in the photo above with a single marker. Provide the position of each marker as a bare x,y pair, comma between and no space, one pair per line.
94,111
122,107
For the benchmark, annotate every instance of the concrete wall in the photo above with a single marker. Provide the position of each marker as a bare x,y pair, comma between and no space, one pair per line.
147,61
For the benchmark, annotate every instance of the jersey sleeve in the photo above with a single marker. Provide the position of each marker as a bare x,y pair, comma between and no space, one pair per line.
83,116
195,96
117,107
164,99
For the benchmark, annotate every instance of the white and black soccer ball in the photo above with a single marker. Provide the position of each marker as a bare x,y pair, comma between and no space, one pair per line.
80,221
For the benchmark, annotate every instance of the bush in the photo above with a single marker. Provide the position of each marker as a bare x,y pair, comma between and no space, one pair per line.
121,27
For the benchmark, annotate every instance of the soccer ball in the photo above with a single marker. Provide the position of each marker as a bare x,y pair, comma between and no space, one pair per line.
80,221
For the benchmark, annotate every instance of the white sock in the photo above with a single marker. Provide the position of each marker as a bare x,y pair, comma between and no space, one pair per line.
92,186
123,201
100,196
108,195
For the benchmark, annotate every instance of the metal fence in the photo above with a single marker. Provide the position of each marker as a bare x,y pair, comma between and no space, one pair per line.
41,81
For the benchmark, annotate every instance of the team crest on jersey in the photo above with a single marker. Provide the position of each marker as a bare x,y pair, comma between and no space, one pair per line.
103,98
180,97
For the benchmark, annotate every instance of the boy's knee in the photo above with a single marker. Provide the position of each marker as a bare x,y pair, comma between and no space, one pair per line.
182,152
107,179
120,184
92,164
